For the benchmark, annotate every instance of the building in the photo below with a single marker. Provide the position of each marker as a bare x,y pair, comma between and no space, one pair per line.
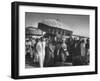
33,32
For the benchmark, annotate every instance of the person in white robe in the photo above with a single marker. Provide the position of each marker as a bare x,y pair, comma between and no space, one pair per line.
41,51
83,48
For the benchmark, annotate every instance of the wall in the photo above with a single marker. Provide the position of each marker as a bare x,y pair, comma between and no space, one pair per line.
5,40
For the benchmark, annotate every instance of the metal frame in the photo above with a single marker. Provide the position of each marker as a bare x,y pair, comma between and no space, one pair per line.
15,39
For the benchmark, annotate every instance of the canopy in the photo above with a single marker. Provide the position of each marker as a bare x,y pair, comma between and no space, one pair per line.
55,23
54,27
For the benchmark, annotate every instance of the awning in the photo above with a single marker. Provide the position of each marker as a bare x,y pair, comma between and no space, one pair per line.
56,23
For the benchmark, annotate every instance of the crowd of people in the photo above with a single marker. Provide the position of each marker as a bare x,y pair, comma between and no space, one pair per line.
50,51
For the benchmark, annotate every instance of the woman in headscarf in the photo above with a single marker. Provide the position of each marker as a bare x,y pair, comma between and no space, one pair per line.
83,52
49,54
63,51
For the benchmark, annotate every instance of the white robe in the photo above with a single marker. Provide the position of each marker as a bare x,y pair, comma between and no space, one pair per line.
83,49
41,52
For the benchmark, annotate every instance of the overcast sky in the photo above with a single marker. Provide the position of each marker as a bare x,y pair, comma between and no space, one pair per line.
78,23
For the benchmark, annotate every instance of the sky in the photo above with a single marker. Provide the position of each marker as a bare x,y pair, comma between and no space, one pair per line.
78,23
